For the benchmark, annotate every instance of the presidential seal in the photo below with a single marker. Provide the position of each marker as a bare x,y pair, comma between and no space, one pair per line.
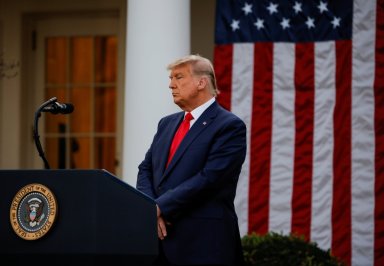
33,211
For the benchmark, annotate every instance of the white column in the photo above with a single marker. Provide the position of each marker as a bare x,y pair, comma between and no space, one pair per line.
158,32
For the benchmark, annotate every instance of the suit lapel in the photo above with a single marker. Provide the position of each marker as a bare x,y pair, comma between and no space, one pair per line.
199,126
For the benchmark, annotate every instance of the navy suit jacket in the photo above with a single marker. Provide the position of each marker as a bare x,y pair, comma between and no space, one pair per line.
196,191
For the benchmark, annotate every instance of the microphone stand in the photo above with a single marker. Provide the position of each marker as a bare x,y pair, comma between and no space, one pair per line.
36,132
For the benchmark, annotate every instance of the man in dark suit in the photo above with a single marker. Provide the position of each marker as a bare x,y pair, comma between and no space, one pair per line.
194,183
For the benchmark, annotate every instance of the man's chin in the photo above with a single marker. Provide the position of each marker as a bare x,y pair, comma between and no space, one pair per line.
178,102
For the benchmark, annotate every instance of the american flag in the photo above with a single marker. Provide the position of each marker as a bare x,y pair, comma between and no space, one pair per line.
307,77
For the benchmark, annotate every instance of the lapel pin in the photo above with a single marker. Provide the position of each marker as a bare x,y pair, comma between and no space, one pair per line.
204,123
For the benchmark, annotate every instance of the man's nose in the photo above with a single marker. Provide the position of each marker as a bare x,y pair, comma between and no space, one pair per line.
171,84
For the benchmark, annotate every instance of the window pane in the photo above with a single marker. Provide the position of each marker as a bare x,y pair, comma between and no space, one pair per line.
81,58
105,59
81,116
105,109
56,60
105,154
80,155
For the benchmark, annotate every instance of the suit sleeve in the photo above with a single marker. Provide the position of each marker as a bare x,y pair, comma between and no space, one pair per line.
145,177
221,170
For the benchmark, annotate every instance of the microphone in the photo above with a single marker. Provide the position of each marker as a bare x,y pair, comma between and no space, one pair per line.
59,108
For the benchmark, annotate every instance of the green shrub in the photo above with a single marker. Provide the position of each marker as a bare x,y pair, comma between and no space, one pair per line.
277,249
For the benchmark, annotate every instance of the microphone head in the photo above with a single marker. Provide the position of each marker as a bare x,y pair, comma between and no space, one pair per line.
58,108
67,108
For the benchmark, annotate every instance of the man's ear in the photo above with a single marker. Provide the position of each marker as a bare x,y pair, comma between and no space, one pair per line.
203,83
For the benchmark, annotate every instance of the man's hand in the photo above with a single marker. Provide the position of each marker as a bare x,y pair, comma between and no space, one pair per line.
161,227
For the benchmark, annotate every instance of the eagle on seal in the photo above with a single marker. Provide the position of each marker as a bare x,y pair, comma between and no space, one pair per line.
34,213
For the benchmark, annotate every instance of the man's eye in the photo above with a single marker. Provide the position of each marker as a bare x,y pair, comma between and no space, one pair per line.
179,77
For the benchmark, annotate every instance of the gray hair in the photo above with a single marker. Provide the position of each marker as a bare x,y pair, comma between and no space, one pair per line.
200,66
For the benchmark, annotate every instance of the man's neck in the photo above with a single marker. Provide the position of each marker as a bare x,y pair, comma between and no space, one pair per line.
198,103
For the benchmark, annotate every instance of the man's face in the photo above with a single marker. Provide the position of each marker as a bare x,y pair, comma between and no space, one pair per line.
184,87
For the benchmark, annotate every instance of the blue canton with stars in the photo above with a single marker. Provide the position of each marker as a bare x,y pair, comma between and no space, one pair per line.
240,21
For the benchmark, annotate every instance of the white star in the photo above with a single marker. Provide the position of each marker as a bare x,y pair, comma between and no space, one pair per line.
285,23
259,23
322,7
272,8
335,22
310,22
247,8
297,7
235,25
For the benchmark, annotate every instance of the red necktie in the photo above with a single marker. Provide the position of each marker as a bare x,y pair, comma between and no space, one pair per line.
180,133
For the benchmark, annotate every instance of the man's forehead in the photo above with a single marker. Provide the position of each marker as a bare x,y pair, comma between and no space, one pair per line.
181,69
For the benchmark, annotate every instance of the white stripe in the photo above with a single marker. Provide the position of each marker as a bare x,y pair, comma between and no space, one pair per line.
283,137
363,142
241,105
322,180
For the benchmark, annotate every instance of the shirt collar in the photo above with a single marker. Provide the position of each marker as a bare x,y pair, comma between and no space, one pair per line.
197,112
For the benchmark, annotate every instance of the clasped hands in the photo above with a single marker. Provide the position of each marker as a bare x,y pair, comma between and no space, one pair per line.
161,225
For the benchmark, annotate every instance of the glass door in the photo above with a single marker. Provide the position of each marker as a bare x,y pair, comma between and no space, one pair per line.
77,62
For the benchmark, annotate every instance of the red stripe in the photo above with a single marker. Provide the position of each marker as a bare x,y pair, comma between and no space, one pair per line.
304,119
341,211
223,56
379,136
261,128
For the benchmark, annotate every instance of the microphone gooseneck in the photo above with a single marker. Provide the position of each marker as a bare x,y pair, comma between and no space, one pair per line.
51,106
